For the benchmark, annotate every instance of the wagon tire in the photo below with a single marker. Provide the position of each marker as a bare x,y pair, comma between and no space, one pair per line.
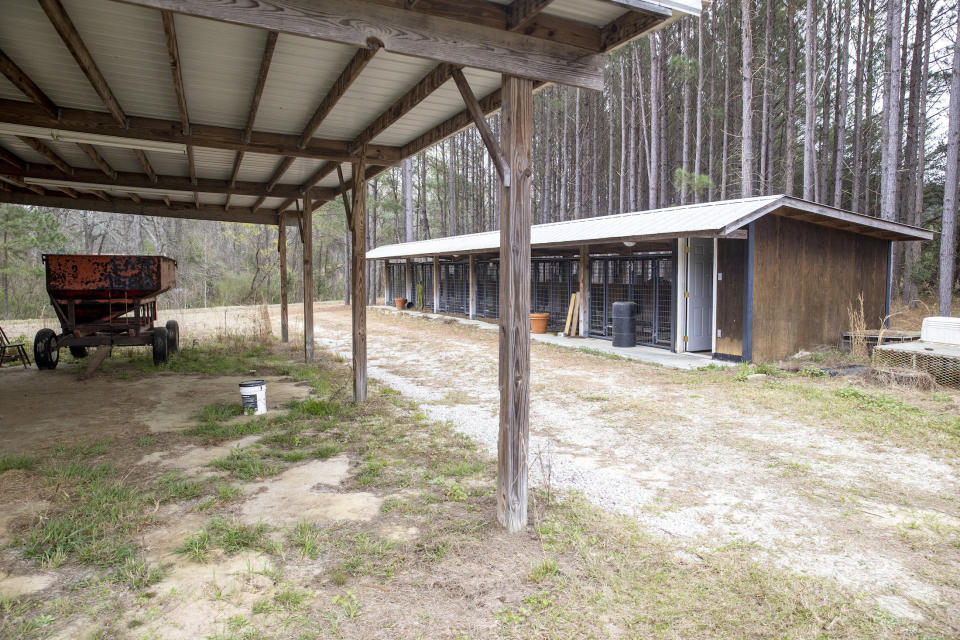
46,350
78,351
161,353
173,336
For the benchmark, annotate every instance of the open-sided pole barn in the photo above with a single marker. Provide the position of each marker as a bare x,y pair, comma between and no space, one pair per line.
260,111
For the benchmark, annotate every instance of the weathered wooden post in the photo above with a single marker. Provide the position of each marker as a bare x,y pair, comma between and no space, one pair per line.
282,250
436,284
584,290
516,139
307,232
472,284
359,274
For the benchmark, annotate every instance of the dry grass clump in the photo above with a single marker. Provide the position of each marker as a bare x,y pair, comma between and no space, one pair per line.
858,329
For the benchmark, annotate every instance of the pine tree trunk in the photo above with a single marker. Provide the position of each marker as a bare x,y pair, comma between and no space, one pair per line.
547,155
889,161
407,170
857,113
451,192
821,189
841,132
698,142
577,167
594,155
654,179
765,115
747,159
790,138
610,143
728,63
810,104
948,239
912,162
564,156
685,98
623,136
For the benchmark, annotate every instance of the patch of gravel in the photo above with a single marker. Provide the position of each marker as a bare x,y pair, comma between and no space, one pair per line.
713,477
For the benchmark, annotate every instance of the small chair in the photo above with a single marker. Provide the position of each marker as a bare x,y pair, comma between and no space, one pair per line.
13,351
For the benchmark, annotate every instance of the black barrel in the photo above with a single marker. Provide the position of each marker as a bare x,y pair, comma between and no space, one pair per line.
624,324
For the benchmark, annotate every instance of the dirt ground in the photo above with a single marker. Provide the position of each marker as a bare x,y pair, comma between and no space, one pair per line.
805,491
698,463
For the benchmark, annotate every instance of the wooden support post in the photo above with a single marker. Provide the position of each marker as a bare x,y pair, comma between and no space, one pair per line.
473,287
584,290
516,141
436,284
408,278
358,274
282,250
307,226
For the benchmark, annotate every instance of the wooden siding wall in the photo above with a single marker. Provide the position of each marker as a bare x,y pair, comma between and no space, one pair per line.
731,257
805,277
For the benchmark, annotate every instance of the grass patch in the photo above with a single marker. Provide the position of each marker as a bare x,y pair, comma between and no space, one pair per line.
83,450
246,464
231,536
325,451
173,487
21,462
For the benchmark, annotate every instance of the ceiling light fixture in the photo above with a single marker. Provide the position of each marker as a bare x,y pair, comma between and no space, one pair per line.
58,135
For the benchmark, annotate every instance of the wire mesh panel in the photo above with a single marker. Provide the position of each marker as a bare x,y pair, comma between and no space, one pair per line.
488,288
454,288
552,282
397,280
422,274
647,281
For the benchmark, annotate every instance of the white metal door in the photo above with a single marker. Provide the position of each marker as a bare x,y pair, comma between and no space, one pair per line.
699,294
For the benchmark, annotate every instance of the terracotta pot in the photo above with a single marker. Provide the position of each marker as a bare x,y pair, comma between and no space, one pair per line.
400,302
538,322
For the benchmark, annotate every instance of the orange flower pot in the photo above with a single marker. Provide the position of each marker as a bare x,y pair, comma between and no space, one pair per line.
400,302
538,322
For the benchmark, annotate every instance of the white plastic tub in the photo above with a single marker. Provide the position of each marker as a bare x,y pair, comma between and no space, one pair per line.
253,396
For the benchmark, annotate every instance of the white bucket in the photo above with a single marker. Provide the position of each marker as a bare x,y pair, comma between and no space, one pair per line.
253,395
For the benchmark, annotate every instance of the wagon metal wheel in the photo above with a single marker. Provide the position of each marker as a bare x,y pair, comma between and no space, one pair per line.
173,336
161,354
46,350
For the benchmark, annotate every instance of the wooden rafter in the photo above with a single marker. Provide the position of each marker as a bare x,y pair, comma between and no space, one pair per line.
627,27
71,38
212,137
11,159
27,86
173,53
48,153
463,41
520,13
133,181
145,163
163,208
17,182
102,195
98,160
350,73
265,60
479,119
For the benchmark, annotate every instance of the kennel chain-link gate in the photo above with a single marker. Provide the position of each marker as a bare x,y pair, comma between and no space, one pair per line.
647,281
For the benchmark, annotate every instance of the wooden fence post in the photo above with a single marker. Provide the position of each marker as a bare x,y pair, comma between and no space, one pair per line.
516,139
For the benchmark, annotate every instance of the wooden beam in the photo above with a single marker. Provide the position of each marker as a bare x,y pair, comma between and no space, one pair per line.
145,163
47,153
156,130
134,197
17,182
351,72
520,13
343,194
12,159
282,250
158,208
97,160
459,42
630,25
132,181
71,38
70,192
515,210
173,54
405,103
307,236
101,194
358,273
479,119
27,86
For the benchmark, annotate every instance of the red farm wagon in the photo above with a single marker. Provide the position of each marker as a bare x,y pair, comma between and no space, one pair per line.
106,301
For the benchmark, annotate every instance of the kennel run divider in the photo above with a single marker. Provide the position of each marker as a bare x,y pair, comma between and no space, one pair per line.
455,288
396,282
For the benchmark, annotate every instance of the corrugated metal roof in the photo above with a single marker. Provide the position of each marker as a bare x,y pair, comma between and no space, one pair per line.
707,219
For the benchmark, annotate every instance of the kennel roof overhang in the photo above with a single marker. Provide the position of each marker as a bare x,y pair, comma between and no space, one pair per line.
714,219
231,109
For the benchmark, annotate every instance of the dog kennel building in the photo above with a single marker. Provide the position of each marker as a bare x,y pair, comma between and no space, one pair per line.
749,279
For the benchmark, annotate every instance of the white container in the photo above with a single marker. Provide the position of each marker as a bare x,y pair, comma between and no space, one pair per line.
940,329
253,396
